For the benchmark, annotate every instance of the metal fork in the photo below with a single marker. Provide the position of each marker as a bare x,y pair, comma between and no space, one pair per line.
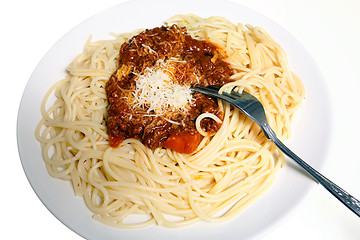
253,108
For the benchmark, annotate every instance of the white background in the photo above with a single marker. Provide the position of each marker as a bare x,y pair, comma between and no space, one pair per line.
329,30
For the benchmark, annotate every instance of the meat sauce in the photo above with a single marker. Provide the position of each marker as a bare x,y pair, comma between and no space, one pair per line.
197,63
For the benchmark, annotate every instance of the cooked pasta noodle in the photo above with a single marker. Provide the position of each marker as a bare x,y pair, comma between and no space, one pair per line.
133,186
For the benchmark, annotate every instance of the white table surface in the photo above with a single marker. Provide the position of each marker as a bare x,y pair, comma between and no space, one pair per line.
329,30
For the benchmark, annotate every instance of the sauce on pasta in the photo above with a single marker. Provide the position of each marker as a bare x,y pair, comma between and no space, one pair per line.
181,60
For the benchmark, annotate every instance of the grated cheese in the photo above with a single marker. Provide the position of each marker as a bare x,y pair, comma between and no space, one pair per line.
158,91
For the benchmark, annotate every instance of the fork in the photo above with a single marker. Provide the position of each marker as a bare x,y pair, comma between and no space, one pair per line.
253,108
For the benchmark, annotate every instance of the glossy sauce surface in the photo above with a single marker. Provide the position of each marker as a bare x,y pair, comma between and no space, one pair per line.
192,62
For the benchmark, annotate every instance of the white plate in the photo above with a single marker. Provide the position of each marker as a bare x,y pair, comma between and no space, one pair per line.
310,139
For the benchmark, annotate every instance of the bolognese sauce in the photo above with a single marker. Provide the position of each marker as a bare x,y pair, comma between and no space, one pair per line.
181,61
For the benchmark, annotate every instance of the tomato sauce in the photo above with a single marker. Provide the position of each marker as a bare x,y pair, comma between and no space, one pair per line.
197,63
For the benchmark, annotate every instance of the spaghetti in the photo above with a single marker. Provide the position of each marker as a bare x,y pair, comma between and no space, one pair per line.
133,186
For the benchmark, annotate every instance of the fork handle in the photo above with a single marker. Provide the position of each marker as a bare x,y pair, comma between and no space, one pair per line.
349,201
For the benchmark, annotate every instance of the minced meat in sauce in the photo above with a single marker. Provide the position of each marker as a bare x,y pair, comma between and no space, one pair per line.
197,63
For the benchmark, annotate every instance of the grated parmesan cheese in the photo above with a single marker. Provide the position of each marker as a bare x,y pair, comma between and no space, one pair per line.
158,91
